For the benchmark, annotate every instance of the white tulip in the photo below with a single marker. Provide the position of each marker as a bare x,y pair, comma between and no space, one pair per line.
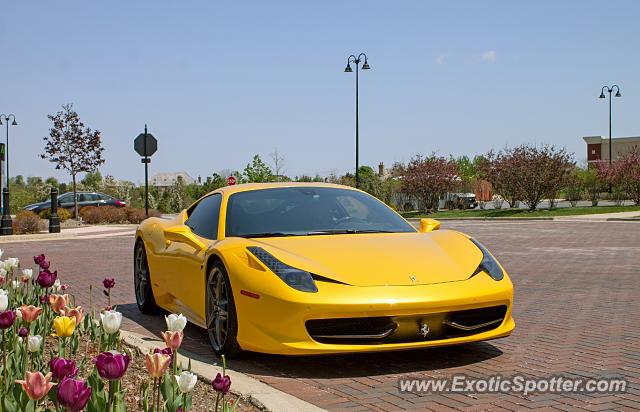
12,262
186,381
56,286
1,253
111,321
15,284
4,300
175,322
27,274
18,314
3,271
33,343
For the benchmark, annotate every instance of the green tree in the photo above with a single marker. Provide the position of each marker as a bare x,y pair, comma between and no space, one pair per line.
92,180
257,171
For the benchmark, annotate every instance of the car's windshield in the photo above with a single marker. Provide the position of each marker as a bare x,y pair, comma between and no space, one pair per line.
308,211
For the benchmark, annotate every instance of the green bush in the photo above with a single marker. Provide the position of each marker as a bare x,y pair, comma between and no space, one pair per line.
63,214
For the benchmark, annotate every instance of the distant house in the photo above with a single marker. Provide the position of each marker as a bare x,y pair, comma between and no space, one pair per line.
165,180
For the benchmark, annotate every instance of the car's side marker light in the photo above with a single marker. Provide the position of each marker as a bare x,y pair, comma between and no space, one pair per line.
250,294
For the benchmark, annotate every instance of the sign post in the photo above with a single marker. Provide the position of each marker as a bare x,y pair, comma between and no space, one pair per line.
145,145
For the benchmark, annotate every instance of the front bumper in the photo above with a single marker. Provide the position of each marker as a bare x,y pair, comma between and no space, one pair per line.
277,321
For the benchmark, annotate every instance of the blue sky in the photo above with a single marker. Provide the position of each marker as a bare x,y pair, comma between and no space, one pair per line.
220,81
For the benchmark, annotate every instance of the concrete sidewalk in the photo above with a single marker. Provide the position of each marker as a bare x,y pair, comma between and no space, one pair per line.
85,232
601,217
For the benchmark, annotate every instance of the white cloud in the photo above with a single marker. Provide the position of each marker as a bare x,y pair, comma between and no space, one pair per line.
489,56
440,59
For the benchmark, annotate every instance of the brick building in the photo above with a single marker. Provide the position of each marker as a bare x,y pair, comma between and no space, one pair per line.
598,147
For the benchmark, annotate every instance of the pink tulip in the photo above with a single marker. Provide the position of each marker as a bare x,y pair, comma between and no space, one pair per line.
36,385
173,339
30,312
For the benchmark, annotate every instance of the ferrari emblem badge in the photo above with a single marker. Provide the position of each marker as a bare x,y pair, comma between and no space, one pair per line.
424,329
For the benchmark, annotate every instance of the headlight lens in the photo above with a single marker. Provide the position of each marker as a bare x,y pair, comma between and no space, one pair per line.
489,264
296,278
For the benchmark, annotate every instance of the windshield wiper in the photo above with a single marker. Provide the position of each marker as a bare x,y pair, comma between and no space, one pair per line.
267,234
345,231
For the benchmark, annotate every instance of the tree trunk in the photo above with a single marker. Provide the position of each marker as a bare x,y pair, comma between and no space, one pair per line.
75,197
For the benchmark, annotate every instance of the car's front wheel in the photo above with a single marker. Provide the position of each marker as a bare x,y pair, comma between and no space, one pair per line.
142,280
222,323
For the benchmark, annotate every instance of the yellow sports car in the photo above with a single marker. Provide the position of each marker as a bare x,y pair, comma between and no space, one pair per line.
309,268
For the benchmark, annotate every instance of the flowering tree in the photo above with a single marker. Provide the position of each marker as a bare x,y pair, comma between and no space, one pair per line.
529,173
624,174
429,178
72,146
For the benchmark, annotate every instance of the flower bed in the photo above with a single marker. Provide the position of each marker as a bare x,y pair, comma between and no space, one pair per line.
57,356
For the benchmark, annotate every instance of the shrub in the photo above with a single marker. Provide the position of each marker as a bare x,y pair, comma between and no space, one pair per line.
27,222
91,215
135,215
63,214
112,214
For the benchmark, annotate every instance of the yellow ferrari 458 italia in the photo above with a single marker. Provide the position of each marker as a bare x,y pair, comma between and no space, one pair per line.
310,268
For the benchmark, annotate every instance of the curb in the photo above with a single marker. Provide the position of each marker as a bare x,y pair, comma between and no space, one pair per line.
484,218
257,393
37,237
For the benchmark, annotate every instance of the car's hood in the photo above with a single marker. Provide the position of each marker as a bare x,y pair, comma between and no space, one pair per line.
380,259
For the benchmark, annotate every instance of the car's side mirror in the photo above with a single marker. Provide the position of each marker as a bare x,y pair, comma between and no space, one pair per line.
428,225
182,234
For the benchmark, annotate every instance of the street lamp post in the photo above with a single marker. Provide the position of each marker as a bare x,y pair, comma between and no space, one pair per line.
365,66
602,96
6,226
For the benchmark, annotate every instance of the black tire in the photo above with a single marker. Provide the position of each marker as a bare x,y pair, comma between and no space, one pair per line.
142,281
220,312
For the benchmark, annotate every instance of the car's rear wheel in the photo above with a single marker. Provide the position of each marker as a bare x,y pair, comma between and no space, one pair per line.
142,280
222,323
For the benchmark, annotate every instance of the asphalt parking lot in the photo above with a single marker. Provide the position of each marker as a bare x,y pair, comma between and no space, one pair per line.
576,307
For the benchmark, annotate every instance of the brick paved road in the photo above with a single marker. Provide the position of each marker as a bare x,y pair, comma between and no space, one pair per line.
576,306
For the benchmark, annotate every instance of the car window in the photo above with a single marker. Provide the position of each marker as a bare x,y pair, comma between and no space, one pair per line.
68,197
304,210
204,216
87,197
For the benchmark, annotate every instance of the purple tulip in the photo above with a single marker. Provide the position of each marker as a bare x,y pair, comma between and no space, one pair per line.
109,283
221,383
63,368
46,278
7,318
165,351
73,394
112,365
41,261
23,332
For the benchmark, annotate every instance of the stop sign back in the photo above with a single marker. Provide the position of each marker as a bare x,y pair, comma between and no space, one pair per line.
231,180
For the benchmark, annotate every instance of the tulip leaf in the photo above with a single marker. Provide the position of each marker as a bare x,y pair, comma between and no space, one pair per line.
9,404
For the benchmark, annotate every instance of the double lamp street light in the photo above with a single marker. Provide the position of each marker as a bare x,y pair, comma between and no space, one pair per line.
602,96
365,66
6,226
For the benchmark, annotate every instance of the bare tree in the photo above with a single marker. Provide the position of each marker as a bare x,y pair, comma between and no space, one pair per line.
278,164
72,146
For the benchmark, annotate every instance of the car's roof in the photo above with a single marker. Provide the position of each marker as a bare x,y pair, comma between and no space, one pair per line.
228,190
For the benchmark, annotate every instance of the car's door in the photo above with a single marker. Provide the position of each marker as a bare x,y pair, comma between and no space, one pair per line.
185,263
66,201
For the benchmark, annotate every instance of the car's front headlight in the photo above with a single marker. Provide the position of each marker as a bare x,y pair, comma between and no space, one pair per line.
296,278
488,264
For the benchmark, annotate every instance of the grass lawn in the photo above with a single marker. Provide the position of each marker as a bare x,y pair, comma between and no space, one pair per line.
564,211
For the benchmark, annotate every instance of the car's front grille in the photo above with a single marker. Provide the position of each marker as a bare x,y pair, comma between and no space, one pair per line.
414,328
